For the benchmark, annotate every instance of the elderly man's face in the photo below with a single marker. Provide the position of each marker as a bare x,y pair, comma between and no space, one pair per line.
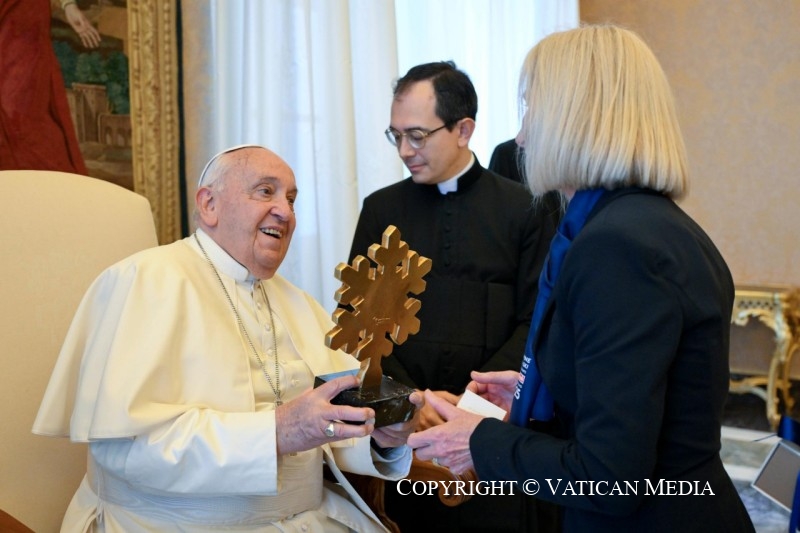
254,210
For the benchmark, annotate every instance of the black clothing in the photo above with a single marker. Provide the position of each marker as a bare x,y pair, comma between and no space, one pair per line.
487,244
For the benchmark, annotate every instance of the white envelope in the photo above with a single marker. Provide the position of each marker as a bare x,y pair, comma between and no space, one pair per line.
475,404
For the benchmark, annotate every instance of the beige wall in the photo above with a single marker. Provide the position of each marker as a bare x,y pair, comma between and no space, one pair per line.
735,68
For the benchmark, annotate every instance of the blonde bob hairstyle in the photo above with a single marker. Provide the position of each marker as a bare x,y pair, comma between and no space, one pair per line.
599,112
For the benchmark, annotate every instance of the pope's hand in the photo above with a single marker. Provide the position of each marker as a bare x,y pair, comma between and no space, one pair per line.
311,420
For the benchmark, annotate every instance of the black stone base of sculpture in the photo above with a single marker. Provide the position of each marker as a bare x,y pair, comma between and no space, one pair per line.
389,401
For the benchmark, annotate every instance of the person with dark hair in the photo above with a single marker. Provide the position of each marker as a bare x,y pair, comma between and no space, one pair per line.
627,358
487,244
508,160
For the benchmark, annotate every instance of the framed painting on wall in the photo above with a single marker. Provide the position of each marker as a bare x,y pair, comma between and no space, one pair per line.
123,97
95,73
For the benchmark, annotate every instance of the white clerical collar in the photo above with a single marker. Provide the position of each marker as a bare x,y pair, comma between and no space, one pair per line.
221,259
451,185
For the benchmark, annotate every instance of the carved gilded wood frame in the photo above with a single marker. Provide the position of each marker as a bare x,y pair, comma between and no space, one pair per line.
152,27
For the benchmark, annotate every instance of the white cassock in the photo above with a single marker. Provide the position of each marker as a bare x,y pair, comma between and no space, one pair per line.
156,376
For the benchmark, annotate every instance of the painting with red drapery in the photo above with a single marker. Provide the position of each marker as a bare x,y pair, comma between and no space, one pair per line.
64,87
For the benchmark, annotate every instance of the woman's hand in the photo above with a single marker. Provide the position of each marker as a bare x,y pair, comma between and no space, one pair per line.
447,444
496,387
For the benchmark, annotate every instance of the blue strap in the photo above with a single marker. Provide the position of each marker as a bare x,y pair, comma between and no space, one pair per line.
789,429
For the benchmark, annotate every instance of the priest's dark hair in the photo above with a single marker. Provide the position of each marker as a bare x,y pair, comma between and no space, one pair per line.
455,95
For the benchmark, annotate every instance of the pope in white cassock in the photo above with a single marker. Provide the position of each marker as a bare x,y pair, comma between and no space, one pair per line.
189,367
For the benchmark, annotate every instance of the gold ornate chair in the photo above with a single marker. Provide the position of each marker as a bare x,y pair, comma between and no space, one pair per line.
59,231
778,309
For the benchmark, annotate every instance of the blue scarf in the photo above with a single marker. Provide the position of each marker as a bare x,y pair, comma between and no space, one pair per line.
531,398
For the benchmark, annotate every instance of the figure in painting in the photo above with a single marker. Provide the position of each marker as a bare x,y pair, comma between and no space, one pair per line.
36,130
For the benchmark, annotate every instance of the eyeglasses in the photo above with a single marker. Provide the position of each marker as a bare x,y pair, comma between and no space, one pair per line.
416,137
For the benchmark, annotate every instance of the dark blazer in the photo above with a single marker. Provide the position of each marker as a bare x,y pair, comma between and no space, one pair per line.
634,349
487,245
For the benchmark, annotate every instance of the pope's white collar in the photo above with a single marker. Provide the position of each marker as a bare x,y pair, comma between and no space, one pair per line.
222,260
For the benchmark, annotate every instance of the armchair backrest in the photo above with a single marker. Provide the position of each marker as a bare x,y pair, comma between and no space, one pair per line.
58,231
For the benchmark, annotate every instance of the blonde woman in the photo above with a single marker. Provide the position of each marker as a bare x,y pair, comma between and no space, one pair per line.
627,359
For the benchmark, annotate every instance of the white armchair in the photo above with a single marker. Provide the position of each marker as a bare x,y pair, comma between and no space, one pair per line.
58,231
